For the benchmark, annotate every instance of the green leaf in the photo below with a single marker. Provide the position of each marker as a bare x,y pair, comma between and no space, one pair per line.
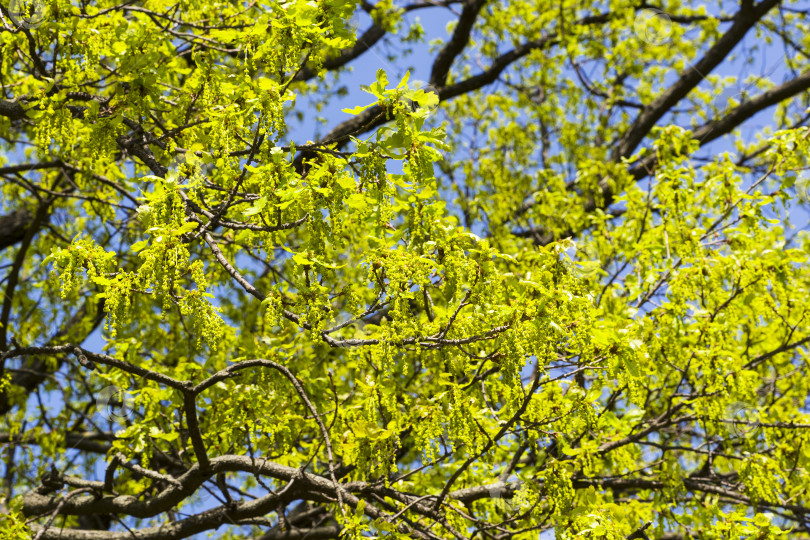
300,258
257,207
358,109
187,227
346,182
137,246
101,280
357,201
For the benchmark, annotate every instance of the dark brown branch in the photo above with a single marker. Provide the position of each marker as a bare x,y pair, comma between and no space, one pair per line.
745,19
13,227
38,370
8,297
375,116
190,408
11,109
35,503
83,355
87,442
365,42
315,533
204,521
457,43
299,389
704,135
735,117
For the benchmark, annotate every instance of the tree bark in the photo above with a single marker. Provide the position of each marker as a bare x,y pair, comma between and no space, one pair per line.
13,227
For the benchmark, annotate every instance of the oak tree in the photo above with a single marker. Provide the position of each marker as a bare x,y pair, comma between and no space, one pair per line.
559,289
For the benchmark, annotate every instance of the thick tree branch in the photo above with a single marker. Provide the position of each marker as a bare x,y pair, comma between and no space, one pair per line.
315,533
34,225
745,20
365,42
13,227
457,43
732,119
11,109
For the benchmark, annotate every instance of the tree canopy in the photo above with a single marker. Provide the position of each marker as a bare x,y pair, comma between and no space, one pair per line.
560,289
